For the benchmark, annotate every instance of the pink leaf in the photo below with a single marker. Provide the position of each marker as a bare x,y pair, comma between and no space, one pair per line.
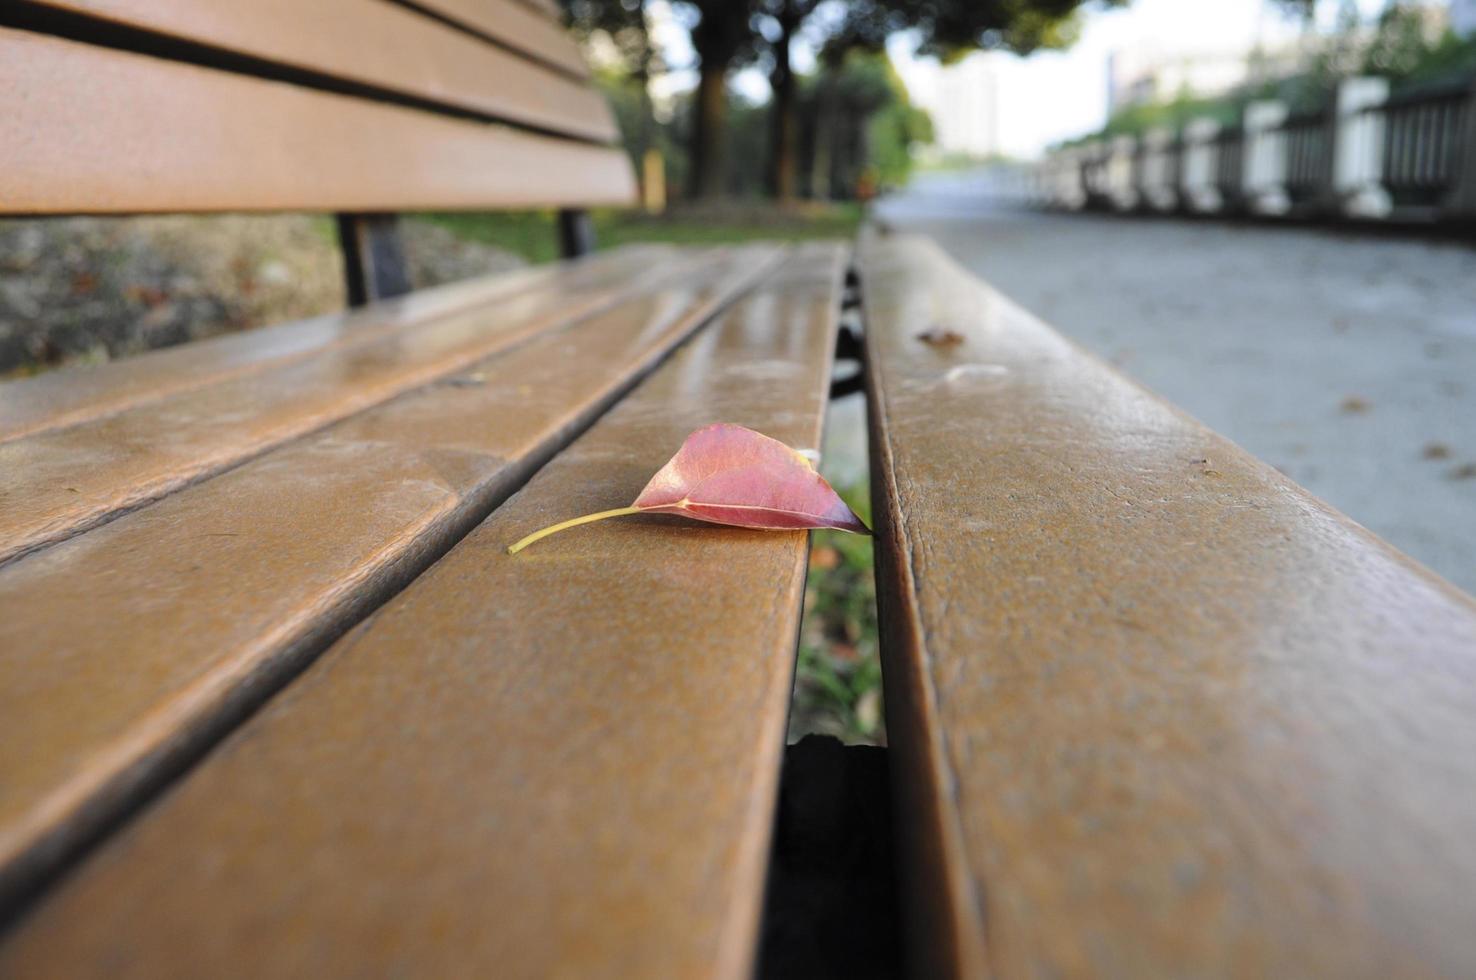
726,474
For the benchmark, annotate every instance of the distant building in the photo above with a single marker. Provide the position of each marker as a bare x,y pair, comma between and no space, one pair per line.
1144,74
965,108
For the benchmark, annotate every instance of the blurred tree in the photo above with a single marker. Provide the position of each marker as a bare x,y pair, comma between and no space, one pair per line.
727,34
1407,47
951,29
626,24
859,127
779,22
723,38
1304,9
947,28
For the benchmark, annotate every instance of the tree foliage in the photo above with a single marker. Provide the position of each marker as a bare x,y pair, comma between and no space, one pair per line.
727,34
1399,44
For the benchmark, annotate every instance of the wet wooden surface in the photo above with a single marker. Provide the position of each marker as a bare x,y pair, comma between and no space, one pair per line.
122,650
1157,711
87,129
58,482
395,48
556,764
70,395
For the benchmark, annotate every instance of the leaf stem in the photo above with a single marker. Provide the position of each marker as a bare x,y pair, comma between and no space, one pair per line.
573,522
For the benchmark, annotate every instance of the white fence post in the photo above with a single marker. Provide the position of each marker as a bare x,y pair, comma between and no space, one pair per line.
1358,148
1160,169
1121,189
1264,176
1200,164
1067,190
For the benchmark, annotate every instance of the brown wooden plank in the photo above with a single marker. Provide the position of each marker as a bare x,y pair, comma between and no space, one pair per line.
547,7
58,482
230,584
71,395
559,764
390,47
1161,713
93,130
531,26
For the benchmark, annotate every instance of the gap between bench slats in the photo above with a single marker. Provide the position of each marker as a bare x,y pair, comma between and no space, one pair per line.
382,45
66,397
1158,711
516,23
93,130
559,764
534,27
128,648
58,483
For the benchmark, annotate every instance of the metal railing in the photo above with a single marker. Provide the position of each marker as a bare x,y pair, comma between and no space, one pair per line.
1409,155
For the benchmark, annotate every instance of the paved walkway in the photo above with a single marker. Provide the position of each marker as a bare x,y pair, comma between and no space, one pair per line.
1347,361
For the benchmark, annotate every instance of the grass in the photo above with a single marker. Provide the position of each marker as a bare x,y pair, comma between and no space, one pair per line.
533,234
838,681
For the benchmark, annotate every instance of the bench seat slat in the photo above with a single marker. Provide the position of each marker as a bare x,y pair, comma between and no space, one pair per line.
391,47
58,482
72,395
129,646
556,764
88,129
1158,711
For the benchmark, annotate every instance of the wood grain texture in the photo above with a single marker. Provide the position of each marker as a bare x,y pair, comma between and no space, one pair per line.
531,26
1158,711
71,395
122,650
390,47
94,130
56,483
556,764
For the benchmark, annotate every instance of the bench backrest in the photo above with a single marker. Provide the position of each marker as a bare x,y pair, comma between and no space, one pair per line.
334,105
349,106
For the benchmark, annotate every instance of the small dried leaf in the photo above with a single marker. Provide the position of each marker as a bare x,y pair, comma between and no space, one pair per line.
936,336
727,474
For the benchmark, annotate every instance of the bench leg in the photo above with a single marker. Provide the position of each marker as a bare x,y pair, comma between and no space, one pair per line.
374,263
576,233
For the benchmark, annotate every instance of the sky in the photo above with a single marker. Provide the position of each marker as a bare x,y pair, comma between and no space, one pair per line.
1051,96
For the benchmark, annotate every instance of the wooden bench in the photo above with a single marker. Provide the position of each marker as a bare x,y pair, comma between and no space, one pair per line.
273,700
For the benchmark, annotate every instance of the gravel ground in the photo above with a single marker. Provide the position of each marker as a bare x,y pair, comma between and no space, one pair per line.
1346,360
91,289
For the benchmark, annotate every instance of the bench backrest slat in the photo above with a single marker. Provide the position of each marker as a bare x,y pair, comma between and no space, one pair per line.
530,27
377,46
92,130
336,105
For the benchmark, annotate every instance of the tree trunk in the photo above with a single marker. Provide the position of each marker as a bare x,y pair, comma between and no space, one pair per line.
708,134
783,125
824,137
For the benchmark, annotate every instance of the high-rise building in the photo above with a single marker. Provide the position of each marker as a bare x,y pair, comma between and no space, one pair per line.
965,108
